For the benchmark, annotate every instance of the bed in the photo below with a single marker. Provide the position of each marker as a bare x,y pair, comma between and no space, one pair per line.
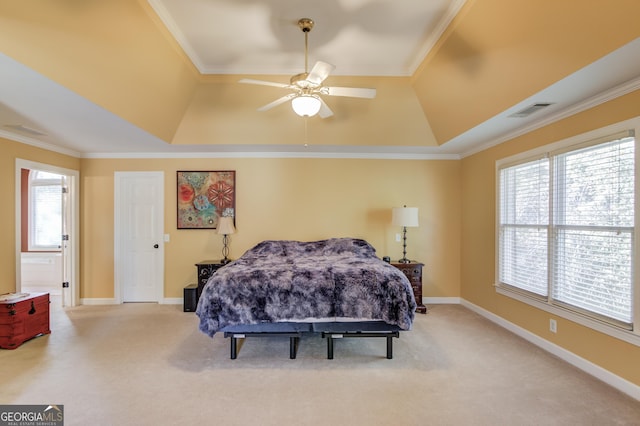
336,288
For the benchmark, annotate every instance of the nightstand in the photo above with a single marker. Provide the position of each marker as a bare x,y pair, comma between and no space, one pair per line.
413,271
206,268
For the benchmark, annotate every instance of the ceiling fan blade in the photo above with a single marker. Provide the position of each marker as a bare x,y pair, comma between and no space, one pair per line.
353,92
325,111
264,83
277,102
319,72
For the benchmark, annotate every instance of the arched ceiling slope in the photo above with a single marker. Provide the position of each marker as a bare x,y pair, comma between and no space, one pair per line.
97,77
498,53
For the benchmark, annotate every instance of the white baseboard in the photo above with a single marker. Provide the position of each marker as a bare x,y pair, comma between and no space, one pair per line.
441,300
110,301
98,301
598,372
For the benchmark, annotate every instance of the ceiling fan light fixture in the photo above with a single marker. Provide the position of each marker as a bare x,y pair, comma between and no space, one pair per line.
308,88
306,105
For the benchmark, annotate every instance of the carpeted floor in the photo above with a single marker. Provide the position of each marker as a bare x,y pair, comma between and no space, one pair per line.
147,364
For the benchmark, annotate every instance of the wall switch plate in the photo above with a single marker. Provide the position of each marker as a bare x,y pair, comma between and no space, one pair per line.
397,238
553,326
166,238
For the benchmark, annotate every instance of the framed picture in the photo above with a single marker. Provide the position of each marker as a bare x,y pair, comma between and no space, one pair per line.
203,197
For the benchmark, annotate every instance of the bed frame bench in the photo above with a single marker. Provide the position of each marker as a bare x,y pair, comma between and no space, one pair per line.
339,330
292,330
328,330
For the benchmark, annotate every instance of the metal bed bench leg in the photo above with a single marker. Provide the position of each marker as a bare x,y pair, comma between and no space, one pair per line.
329,345
234,345
294,340
234,348
388,335
293,346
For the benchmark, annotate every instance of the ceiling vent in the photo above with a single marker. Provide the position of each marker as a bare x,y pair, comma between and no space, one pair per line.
24,129
530,109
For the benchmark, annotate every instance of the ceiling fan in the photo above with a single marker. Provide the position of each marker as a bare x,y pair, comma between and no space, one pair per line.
307,86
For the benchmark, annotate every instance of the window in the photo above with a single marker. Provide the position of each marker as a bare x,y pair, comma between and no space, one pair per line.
566,229
45,211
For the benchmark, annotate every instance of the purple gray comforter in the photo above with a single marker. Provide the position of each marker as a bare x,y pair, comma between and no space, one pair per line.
339,278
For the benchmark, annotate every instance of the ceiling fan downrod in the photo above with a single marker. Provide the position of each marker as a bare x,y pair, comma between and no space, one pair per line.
306,25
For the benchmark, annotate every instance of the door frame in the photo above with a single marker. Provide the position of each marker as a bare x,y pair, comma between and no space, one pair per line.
73,215
118,214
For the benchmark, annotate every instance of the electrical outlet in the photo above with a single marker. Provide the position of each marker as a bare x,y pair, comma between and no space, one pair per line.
397,238
553,326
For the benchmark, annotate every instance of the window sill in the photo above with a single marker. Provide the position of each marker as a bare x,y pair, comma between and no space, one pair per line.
628,336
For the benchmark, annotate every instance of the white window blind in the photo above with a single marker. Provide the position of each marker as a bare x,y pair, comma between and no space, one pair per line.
566,227
524,219
593,228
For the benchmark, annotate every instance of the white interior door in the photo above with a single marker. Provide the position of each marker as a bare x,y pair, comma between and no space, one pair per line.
139,245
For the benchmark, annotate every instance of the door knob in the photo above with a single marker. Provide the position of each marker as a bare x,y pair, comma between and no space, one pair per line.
155,246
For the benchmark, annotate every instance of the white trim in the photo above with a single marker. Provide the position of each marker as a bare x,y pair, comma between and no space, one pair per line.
38,144
251,151
95,301
600,326
454,8
117,284
275,154
600,98
74,193
441,300
178,35
596,371
583,137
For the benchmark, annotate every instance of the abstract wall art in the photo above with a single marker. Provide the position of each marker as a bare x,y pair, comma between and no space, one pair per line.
204,196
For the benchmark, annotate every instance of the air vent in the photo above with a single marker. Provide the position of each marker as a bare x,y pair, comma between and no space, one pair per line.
530,109
24,129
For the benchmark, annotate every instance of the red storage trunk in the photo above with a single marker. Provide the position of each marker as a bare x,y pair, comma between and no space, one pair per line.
23,318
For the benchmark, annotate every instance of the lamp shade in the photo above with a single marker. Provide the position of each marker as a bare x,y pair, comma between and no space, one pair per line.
225,225
306,105
405,216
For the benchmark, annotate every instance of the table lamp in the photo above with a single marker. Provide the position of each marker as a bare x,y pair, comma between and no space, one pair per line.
225,227
405,217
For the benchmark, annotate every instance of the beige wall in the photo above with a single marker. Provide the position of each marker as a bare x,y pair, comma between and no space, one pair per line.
9,152
303,199
318,198
478,242
466,79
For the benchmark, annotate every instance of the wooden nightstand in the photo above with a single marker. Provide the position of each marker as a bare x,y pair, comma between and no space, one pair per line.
413,271
206,268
